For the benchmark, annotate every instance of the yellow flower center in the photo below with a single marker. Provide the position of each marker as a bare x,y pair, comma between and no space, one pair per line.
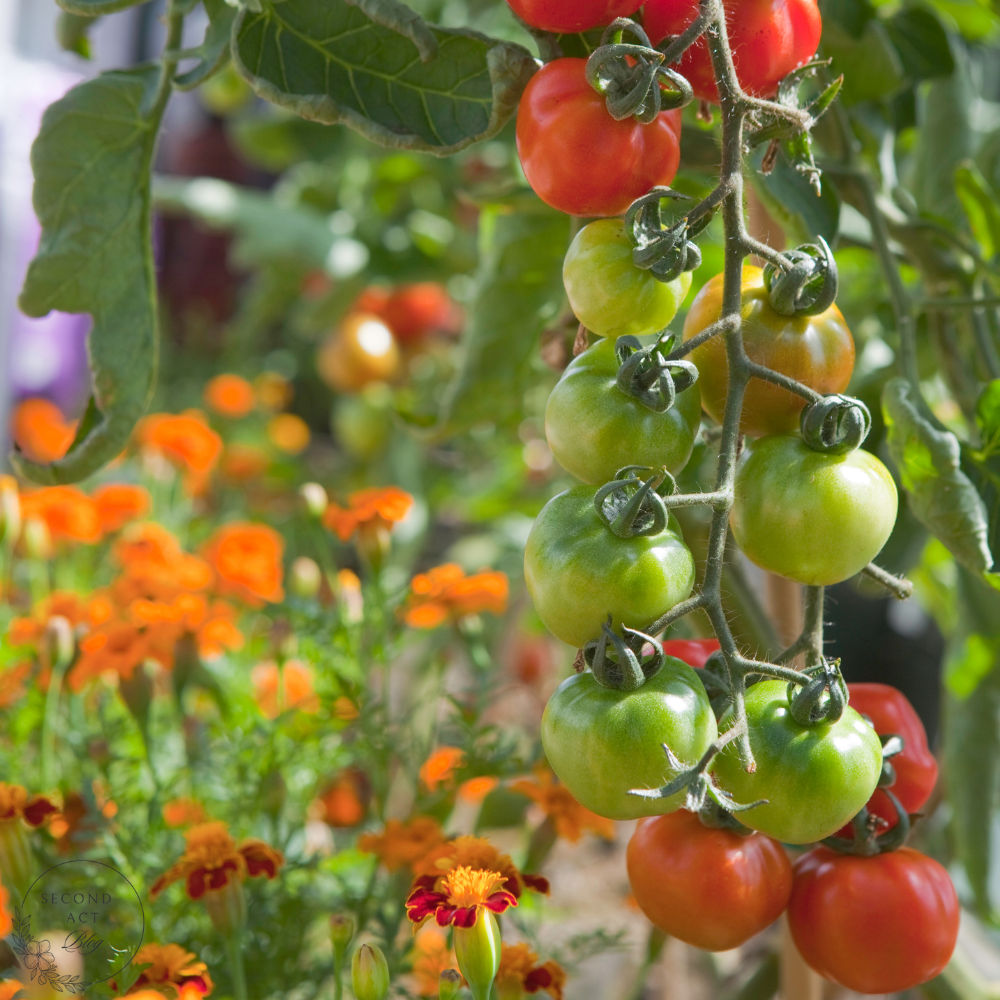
470,886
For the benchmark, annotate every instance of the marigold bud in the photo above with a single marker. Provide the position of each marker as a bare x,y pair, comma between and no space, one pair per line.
37,539
315,498
478,951
449,984
341,934
306,577
10,511
370,973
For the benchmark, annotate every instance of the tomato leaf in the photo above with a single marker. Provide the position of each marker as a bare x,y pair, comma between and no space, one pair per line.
92,163
213,53
869,61
921,43
941,495
375,66
980,205
519,290
91,8
988,416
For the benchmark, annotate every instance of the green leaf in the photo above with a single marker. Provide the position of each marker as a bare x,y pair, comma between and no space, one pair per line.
213,53
91,8
870,64
941,495
988,416
981,207
921,43
519,290
92,163
73,33
376,67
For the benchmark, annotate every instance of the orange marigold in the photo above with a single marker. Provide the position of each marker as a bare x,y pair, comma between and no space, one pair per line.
291,687
119,503
457,897
6,925
40,430
184,812
344,801
520,973
16,803
68,513
440,767
247,562
476,789
120,647
288,433
430,956
479,853
243,462
12,684
170,969
229,396
402,845
184,439
148,551
445,593
570,818
377,507
212,860
9,988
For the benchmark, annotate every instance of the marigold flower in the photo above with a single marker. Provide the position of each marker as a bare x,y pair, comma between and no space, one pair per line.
12,684
77,610
247,562
344,802
119,503
440,767
212,860
184,439
16,803
67,512
243,462
184,812
476,789
6,924
457,897
120,647
403,844
445,593
476,852
229,396
291,687
520,973
148,551
40,430
9,988
170,969
570,818
288,433
377,507
430,956
76,825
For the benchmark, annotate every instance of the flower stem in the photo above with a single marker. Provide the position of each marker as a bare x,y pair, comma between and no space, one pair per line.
234,950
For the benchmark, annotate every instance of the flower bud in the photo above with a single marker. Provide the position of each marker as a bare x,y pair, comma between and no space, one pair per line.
37,540
478,951
370,973
60,641
315,498
341,934
305,577
10,511
449,984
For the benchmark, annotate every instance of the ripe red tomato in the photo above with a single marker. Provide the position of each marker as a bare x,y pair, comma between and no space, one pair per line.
874,925
694,652
916,769
569,16
711,888
410,311
769,39
576,157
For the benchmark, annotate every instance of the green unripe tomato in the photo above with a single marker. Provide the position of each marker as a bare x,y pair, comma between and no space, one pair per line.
594,428
602,743
578,571
815,778
608,293
812,517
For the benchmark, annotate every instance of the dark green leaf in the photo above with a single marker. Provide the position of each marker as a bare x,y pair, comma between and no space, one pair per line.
791,200
73,33
91,8
981,207
851,15
921,43
318,58
92,165
277,141
941,495
988,416
870,64
213,53
519,290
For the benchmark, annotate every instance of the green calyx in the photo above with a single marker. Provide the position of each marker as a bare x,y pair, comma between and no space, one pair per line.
835,425
822,698
618,662
665,251
647,375
633,77
630,506
809,285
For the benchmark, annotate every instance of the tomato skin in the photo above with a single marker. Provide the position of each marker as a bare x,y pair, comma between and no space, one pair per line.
769,39
694,652
576,157
570,16
916,769
362,350
815,518
815,350
608,293
815,778
602,743
710,888
594,428
875,925
577,570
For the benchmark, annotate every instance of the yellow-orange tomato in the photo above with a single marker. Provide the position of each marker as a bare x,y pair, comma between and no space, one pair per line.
362,350
815,350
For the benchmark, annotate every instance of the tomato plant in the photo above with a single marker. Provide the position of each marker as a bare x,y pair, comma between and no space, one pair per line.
814,777
818,351
576,157
567,16
594,427
768,39
603,742
875,925
812,517
362,350
709,887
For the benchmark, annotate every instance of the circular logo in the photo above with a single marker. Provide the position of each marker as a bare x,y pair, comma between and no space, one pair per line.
80,923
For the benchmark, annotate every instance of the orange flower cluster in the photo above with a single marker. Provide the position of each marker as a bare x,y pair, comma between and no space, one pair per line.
171,969
184,812
520,973
344,801
570,818
247,562
230,396
371,509
69,515
186,441
439,769
402,845
445,593
12,681
40,430
212,861
278,690
430,956
6,925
